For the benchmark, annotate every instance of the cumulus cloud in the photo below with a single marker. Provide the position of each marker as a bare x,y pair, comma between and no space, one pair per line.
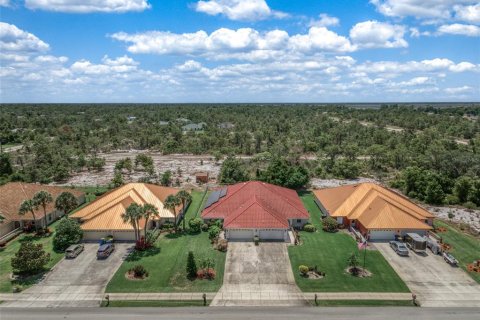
246,10
458,90
243,43
421,9
374,34
469,14
325,21
13,39
460,29
4,3
87,6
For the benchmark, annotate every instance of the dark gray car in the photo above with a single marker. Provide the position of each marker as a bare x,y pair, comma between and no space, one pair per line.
399,247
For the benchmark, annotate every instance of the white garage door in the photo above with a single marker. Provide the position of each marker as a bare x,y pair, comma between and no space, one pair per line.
381,235
240,234
94,236
272,234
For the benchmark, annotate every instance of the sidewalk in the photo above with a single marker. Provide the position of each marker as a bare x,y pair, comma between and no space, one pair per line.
59,300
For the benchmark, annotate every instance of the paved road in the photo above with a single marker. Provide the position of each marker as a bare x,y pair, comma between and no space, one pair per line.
241,313
435,282
78,282
258,276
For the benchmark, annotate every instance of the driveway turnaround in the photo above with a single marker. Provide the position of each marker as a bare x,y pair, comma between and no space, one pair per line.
435,282
78,282
258,276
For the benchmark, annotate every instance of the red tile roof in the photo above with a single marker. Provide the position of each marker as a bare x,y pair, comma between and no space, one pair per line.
14,193
257,204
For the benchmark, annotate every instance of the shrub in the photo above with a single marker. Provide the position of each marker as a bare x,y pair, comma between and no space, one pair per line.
330,224
30,258
222,245
309,228
68,233
256,239
139,271
143,244
451,199
451,215
195,225
191,266
303,270
353,264
167,225
469,205
213,232
204,227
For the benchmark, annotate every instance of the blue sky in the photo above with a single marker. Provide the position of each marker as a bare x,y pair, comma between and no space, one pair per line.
239,50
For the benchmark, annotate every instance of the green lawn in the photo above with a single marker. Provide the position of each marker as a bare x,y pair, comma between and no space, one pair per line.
330,251
166,263
13,246
465,248
154,303
363,303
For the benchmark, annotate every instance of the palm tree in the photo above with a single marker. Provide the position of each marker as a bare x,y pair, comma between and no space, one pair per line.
132,215
149,211
43,198
171,203
29,206
66,202
185,198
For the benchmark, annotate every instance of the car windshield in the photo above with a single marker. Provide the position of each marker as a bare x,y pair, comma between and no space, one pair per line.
401,246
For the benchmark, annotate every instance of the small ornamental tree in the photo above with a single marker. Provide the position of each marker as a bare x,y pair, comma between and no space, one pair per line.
30,258
330,224
353,264
191,266
68,232
303,270
213,232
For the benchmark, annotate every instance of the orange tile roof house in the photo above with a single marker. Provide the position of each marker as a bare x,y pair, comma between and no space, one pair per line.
256,208
103,216
14,193
377,212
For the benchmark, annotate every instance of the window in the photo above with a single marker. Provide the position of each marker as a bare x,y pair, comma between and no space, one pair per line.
299,220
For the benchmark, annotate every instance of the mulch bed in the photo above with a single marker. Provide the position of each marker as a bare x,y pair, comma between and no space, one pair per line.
131,276
362,273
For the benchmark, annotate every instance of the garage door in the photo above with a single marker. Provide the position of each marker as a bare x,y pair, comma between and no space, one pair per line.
240,234
94,236
382,235
272,234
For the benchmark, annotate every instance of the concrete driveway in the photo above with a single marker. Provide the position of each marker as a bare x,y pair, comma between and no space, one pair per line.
258,276
74,282
435,282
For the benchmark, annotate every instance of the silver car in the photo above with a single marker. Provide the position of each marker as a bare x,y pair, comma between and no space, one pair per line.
73,251
399,247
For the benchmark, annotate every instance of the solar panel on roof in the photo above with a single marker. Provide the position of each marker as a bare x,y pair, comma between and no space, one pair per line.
223,192
214,196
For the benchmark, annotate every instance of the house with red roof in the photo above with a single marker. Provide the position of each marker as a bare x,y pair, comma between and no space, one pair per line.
255,208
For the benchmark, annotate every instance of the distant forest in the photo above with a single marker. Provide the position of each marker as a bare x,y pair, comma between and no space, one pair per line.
432,153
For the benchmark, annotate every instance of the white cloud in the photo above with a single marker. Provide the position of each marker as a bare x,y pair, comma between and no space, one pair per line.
247,10
458,90
460,29
421,9
394,69
13,39
244,43
325,21
86,6
374,34
4,3
468,13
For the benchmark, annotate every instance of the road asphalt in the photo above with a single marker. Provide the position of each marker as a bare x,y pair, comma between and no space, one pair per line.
240,313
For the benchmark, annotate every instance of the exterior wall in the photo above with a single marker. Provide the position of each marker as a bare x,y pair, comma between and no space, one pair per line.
95,236
297,223
6,228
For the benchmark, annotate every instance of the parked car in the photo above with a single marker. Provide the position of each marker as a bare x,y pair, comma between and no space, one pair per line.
450,259
73,251
399,247
105,250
